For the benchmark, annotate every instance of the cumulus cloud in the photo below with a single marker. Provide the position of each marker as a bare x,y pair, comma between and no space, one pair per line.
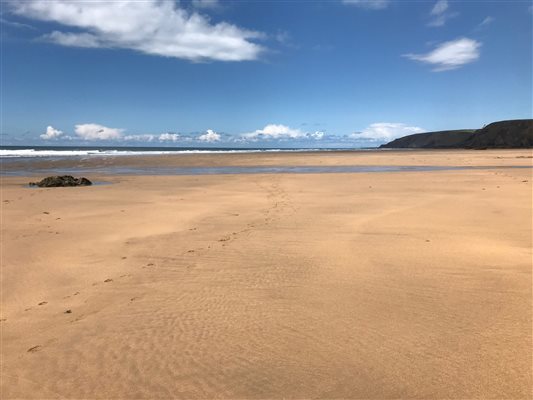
386,131
155,27
169,137
97,132
450,55
440,14
369,4
318,135
51,133
273,131
209,136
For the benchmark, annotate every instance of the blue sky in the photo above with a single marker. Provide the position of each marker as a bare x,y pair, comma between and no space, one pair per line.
259,73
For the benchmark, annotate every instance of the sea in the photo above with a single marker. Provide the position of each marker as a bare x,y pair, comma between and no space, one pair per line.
82,151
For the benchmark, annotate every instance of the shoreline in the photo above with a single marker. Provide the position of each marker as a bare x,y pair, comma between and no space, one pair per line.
400,158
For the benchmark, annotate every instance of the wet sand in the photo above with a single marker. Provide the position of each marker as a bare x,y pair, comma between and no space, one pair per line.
368,285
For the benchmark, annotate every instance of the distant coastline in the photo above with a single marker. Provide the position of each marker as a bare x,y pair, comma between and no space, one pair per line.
512,134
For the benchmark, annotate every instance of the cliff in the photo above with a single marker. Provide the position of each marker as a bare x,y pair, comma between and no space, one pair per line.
497,135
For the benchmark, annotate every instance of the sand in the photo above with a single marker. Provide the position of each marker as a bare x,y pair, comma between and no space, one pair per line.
366,285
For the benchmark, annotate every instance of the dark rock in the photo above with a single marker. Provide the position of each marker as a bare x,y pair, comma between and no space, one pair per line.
498,135
62,181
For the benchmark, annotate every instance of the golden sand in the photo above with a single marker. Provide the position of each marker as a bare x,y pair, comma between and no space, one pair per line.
366,285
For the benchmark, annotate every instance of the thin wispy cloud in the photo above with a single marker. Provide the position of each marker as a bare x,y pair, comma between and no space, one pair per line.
487,21
440,7
145,138
368,4
386,131
15,24
440,14
51,133
450,55
155,27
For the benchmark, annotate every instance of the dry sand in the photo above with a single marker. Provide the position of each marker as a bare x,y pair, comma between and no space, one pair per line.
368,285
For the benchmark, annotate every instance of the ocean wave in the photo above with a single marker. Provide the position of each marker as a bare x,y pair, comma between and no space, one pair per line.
30,153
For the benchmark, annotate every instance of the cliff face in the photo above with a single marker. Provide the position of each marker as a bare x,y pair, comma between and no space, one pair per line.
502,134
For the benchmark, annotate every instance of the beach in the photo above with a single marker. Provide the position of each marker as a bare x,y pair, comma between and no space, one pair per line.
375,285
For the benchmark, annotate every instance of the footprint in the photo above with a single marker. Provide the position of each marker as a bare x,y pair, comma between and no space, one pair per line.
34,349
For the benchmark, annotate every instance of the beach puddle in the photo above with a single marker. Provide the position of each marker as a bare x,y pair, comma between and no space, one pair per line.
232,170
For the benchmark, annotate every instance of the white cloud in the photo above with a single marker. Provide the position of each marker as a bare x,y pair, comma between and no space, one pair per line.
74,39
209,136
369,4
155,27
450,55
51,133
487,21
440,7
386,131
440,14
280,132
97,132
318,135
169,137
15,24
139,138
273,131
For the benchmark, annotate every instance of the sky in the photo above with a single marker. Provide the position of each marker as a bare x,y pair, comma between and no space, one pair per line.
346,73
